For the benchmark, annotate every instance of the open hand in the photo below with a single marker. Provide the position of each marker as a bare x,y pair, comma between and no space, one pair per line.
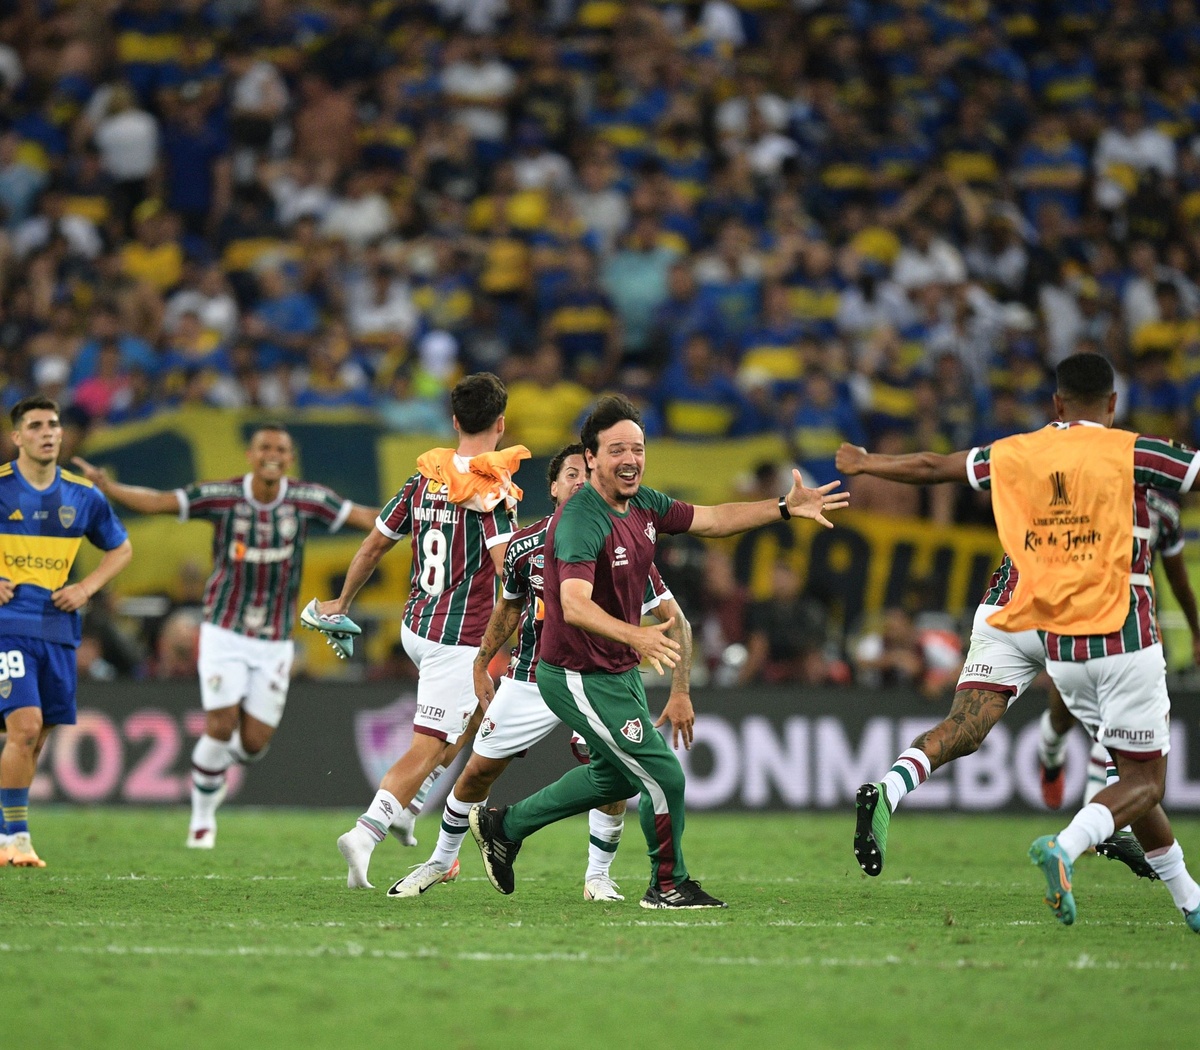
804,502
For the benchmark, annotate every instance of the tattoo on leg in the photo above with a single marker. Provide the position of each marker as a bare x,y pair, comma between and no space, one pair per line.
960,733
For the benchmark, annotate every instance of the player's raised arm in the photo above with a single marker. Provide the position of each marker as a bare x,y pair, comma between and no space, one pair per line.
135,497
1175,569
914,468
728,519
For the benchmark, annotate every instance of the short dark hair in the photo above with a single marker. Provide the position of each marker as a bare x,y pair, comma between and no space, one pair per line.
29,404
610,410
560,457
477,401
1085,378
270,424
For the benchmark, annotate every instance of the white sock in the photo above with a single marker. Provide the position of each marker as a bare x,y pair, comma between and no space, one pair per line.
604,835
1091,826
1050,744
418,802
1169,866
210,759
379,815
454,828
908,773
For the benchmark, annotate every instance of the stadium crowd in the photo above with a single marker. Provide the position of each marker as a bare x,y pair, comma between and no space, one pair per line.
882,222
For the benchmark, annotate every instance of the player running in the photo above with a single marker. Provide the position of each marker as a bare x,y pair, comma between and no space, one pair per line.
45,513
999,667
456,509
516,718
1063,498
260,524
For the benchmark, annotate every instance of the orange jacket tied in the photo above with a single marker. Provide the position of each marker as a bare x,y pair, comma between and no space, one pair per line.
488,478
1063,500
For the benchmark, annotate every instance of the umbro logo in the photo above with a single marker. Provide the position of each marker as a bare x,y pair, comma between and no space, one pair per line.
622,557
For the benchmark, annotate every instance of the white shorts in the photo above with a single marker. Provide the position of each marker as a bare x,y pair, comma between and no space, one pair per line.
1121,700
516,719
445,685
1001,661
252,672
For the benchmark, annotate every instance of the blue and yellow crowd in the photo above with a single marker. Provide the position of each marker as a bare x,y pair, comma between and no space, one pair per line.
881,221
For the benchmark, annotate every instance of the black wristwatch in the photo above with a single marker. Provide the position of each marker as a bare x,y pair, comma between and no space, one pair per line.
783,509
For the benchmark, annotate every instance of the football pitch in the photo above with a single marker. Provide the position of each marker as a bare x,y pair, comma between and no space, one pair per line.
129,940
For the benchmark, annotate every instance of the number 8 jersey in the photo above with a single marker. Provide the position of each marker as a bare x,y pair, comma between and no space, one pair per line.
453,585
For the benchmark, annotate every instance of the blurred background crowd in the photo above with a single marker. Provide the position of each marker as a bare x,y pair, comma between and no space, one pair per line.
882,222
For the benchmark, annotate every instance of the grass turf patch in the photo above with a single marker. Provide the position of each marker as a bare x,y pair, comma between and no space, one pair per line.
127,939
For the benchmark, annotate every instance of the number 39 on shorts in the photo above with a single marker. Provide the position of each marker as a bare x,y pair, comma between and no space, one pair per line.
12,665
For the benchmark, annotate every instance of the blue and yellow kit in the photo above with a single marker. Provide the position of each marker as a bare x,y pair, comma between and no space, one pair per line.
40,534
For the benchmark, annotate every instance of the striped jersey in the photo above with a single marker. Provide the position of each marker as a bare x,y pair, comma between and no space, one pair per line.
1157,464
524,563
258,549
452,589
40,534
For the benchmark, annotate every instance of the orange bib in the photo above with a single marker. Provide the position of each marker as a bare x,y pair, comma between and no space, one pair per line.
487,482
1063,500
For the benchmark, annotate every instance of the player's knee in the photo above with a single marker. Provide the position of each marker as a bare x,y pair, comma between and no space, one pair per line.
479,776
672,781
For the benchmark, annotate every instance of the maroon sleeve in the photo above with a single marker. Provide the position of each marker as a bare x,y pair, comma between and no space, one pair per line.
678,518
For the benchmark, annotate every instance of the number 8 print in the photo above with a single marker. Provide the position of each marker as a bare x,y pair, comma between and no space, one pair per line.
433,562
12,665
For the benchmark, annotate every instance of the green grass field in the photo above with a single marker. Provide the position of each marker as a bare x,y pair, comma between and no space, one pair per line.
129,940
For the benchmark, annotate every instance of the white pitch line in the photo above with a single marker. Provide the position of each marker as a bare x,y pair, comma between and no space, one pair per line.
353,950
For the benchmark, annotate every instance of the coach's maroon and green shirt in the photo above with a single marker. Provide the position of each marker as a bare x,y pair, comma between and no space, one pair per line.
588,540
523,577
452,589
258,549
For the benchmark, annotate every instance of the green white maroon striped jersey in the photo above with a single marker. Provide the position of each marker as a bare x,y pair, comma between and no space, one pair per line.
452,589
258,549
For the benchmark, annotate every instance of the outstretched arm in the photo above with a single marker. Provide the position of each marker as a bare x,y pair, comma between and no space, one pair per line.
135,497
1181,587
728,519
506,614
915,468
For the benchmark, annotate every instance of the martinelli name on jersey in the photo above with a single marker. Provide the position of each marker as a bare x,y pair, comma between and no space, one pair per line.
452,587
258,549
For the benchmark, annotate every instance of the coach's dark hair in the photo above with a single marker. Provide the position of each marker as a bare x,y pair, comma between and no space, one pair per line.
1084,378
609,411
29,404
556,464
477,401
